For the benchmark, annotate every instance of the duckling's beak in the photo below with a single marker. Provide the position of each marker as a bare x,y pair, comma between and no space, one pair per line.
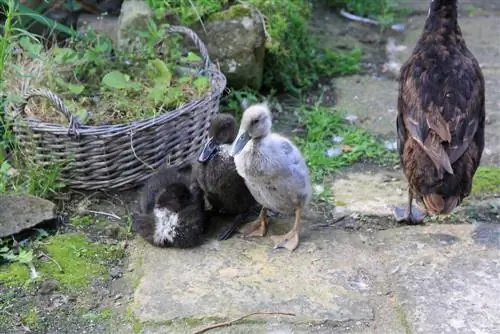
241,140
208,150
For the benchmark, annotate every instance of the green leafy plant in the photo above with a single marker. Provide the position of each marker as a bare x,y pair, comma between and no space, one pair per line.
293,59
106,86
189,11
22,256
26,17
336,64
234,102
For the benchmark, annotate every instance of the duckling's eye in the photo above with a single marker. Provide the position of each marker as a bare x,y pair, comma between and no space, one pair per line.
255,121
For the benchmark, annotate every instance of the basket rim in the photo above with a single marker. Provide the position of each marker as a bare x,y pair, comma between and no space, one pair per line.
217,87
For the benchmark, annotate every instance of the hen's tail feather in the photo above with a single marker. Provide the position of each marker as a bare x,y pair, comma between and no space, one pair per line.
436,204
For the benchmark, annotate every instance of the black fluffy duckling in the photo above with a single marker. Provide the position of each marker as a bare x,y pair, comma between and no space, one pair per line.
216,173
171,209
441,113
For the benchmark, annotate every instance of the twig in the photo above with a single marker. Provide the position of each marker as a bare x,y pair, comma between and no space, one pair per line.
51,259
396,27
330,224
198,14
229,323
135,155
262,17
358,18
104,214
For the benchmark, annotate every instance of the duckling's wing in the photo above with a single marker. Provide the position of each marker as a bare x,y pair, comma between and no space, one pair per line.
291,163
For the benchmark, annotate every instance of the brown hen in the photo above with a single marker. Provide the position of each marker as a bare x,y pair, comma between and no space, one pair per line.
440,123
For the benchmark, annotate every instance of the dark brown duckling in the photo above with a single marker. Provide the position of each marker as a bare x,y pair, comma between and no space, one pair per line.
216,174
441,113
171,209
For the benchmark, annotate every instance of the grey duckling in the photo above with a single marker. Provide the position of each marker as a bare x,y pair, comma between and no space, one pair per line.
170,211
216,174
274,171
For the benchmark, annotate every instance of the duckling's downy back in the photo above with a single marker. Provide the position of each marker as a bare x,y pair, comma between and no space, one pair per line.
170,209
216,172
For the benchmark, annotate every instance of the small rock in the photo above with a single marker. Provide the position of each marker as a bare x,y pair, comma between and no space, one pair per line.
351,119
20,212
391,145
398,27
105,25
57,301
395,270
134,16
337,139
235,38
319,188
115,272
333,152
48,286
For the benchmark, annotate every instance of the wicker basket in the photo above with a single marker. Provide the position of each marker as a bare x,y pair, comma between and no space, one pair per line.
121,156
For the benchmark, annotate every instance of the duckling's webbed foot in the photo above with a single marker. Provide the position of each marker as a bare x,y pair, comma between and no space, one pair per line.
238,220
257,228
289,240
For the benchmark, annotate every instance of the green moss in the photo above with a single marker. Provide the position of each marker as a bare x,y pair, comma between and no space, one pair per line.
403,319
14,274
30,318
81,221
137,326
232,12
76,261
486,180
95,316
340,203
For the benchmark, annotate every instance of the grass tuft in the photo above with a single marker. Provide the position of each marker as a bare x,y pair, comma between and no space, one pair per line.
322,127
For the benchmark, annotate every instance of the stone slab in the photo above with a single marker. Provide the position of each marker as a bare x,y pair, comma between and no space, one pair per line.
318,282
445,278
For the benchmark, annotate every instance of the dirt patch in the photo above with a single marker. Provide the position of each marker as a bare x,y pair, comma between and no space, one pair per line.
61,300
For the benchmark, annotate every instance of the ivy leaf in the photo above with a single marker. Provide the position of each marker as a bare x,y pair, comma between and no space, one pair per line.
72,88
32,48
163,74
156,93
173,97
25,256
9,256
201,84
118,80
64,55
192,58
